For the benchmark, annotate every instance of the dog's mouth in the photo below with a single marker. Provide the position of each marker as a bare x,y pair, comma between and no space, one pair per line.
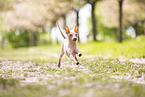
75,39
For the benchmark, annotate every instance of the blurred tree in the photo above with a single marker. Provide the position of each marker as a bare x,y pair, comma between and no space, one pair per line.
94,20
46,14
4,6
58,9
105,33
18,39
63,7
139,1
109,15
119,32
22,18
139,26
76,5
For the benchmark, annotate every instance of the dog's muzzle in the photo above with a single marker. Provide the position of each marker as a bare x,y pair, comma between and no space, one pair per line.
74,39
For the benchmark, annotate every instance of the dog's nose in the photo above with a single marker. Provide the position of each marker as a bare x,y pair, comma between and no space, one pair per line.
74,39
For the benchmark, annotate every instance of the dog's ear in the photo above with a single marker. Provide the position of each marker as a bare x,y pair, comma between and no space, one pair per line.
67,30
76,29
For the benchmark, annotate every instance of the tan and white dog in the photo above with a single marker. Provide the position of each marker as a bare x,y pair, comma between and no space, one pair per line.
69,46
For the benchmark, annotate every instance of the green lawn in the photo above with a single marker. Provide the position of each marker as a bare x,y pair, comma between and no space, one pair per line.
105,71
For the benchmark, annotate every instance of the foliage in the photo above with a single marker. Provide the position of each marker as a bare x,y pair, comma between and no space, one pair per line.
109,13
44,39
5,4
107,34
35,16
18,40
13,20
21,17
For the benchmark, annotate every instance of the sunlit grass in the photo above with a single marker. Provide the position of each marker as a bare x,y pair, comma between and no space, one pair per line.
92,78
127,49
32,72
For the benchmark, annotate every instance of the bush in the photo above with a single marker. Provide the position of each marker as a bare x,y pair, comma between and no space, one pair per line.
20,39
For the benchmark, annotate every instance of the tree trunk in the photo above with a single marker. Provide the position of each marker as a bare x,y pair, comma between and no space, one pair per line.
77,19
119,32
3,43
36,38
135,28
94,22
144,27
32,41
64,20
50,42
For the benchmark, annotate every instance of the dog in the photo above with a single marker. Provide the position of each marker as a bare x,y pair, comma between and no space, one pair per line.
69,46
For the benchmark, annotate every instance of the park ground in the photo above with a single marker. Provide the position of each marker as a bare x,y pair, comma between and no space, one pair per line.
106,70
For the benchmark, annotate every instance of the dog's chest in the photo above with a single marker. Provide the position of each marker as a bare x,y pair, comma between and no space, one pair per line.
70,48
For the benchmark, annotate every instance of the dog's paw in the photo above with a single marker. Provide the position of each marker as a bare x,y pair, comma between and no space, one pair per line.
80,55
77,63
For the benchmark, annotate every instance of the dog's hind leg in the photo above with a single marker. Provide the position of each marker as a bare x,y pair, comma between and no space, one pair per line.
60,57
77,61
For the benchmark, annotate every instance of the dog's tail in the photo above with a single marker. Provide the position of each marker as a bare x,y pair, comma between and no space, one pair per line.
61,31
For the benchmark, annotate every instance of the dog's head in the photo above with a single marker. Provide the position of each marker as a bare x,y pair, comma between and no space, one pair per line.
72,36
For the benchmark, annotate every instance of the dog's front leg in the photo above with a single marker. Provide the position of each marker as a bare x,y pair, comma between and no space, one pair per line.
74,58
79,54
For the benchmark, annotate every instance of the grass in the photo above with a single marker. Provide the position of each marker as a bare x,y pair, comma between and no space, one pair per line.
32,72
127,49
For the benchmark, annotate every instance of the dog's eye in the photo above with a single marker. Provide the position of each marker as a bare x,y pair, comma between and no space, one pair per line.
70,35
75,34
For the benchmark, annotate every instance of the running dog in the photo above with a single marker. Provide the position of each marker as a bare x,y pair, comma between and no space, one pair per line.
69,46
